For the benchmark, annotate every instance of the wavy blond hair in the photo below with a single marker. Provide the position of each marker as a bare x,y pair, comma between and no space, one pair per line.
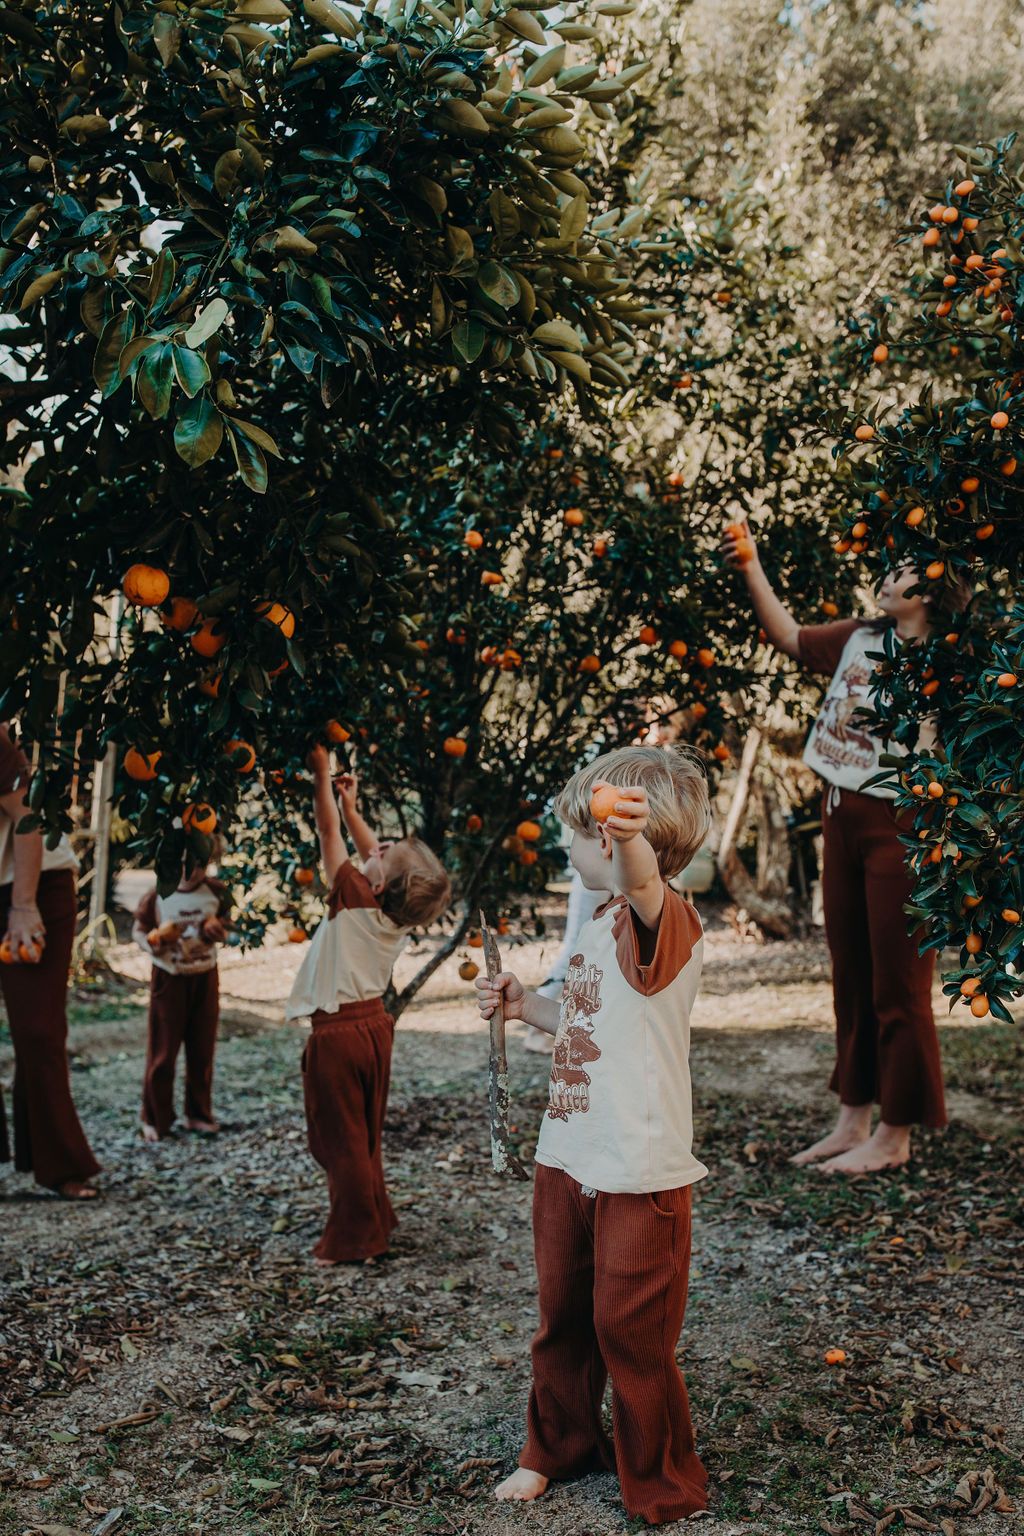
677,791
419,890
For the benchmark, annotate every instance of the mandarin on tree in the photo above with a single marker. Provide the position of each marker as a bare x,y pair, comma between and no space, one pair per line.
141,766
146,586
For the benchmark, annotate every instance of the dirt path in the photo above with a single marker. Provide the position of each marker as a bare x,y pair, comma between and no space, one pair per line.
273,1398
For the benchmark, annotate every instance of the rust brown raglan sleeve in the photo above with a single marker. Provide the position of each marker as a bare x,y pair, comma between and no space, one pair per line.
146,913
350,889
821,645
679,930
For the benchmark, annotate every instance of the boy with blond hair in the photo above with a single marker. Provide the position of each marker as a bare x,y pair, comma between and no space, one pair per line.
611,1210
346,1066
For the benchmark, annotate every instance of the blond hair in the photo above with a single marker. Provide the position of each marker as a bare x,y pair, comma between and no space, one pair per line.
677,791
419,890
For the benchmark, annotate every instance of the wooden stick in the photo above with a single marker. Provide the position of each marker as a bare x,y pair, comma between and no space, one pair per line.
503,1158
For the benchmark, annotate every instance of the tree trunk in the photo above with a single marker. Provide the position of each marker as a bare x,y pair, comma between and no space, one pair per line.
772,912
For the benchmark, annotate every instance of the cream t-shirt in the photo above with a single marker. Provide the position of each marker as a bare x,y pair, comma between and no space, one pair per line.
353,952
15,774
841,747
189,907
620,1114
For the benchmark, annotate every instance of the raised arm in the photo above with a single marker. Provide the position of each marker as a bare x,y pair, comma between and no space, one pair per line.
366,840
635,869
775,619
333,852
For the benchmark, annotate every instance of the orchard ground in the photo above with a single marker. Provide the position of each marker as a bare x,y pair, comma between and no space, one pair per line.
173,1354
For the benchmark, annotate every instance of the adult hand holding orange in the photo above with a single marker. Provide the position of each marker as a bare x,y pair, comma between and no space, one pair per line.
737,546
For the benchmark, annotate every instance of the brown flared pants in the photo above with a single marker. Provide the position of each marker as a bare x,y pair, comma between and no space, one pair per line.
183,1011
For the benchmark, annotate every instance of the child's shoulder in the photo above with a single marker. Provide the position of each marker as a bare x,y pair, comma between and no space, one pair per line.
652,959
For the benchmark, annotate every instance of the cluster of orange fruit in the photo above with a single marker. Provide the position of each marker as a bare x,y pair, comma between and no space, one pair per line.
28,954
957,223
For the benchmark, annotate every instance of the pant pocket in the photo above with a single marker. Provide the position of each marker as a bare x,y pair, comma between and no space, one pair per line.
660,1201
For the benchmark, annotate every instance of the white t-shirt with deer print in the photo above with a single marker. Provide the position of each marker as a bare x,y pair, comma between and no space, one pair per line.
620,1115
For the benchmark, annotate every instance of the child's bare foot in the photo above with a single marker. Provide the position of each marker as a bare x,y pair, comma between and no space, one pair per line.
852,1128
73,1190
204,1127
523,1485
150,1133
889,1147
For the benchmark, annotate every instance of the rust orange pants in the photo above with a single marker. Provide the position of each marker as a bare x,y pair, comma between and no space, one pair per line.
346,1072
887,1049
613,1273
183,1011
48,1138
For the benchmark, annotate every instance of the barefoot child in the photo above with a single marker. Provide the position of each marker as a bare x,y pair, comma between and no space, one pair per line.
887,1049
611,1208
180,933
346,1065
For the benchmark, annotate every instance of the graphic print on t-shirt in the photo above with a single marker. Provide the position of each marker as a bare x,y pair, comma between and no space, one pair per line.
840,737
569,1088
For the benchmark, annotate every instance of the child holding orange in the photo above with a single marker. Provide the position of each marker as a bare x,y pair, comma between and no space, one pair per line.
886,1045
611,1209
180,934
346,1065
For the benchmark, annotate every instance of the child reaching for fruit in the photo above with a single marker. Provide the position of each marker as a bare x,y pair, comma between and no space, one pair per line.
611,1208
346,1065
180,933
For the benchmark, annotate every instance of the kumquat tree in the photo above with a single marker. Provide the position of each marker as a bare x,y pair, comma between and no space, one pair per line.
237,241
940,478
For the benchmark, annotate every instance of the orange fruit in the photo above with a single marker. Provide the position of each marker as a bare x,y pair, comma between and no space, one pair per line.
859,530
950,280
572,517
488,655
603,802
209,638
468,971
475,941
676,479
935,570
297,936
724,297
528,856
973,943
931,237
1010,915
1007,680
881,353
509,659
590,664
698,710
864,433
950,215
970,985
529,831
145,586
648,635
474,538
970,485
336,733
1008,467
210,685
141,765
722,752
931,688
842,546
999,420
491,578
935,790
935,212
964,188
970,224
555,453
835,1356
242,754
474,823
744,551
30,954
199,817
422,645
304,877
979,1005
985,531
944,308
181,614
455,636
454,746
705,657
679,649
277,614
917,789
600,547
915,517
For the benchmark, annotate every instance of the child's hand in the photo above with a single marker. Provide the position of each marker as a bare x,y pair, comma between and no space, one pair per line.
738,548
317,760
630,816
214,931
504,985
347,787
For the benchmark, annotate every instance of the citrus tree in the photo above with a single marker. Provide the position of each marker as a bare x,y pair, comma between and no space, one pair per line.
237,242
940,468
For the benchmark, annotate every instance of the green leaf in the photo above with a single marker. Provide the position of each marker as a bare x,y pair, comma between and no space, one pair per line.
207,322
252,466
190,370
468,339
167,37
504,215
574,218
499,284
155,379
116,335
199,431
256,435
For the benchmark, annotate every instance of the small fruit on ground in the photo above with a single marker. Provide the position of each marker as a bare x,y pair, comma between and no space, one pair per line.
297,936
468,971
835,1356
